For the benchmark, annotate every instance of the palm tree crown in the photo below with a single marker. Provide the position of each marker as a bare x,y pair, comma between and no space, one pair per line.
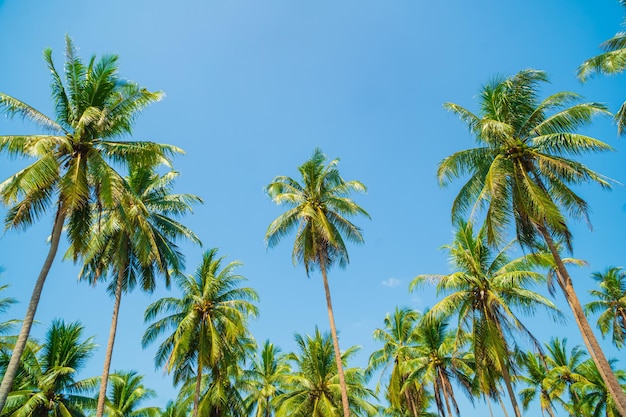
319,207
521,172
611,303
208,322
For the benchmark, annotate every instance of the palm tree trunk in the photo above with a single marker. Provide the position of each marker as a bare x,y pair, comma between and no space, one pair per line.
595,351
333,332
444,386
509,387
502,405
22,338
196,394
109,353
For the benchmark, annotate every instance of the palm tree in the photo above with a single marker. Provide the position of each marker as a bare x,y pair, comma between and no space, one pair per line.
265,380
136,240
318,210
611,302
595,398
313,388
50,388
175,409
73,161
208,323
535,376
521,173
611,61
483,291
399,338
126,395
438,362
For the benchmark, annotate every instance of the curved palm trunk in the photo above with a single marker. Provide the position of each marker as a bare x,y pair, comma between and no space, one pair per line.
109,353
333,332
595,351
22,338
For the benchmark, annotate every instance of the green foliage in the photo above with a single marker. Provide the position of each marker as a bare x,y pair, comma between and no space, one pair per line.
521,172
318,210
312,388
611,303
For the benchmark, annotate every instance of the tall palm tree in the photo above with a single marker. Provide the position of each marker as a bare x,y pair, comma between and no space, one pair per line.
611,302
483,291
265,380
136,240
313,387
73,166
51,388
438,362
522,173
399,338
208,322
611,61
126,395
318,210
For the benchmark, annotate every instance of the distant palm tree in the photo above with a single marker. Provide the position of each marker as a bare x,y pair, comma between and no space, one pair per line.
175,409
136,241
313,389
399,338
611,302
126,394
611,61
595,398
521,173
265,380
208,323
74,161
483,291
50,388
318,210
438,362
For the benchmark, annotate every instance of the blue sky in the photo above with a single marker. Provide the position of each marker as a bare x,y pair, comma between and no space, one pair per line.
252,87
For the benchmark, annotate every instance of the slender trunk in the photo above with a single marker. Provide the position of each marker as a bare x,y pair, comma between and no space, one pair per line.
196,394
488,401
502,405
444,386
595,351
109,353
22,338
509,387
333,332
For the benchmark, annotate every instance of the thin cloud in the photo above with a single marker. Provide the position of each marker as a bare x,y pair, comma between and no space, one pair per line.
391,282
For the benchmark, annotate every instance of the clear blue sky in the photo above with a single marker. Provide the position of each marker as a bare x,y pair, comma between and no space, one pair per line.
254,86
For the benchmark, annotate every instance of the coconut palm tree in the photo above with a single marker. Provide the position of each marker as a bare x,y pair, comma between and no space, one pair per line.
438,362
484,292
265,380
126,395
74,160
5,304
611,303
611,61
522,173
399,338
313,390
318,211
595,399
208,323
136,241
51,388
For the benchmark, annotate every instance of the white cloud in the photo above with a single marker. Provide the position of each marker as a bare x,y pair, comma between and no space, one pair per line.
391,282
